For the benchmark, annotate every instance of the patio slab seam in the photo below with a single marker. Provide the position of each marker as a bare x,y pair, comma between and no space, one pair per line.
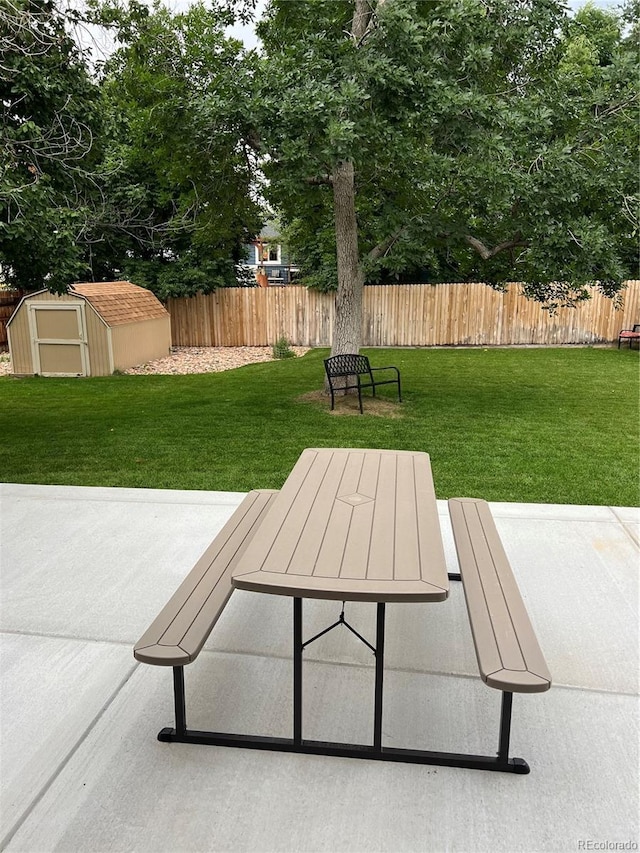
73,637
614,519
310,659
630,533
6,840
408,671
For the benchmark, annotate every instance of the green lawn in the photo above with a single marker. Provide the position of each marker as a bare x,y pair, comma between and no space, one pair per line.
539,425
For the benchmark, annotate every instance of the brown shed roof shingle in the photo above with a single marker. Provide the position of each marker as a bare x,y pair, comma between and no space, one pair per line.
120,302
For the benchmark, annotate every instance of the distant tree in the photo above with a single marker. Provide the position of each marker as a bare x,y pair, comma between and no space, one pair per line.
597,79
50,121
493,137
178,203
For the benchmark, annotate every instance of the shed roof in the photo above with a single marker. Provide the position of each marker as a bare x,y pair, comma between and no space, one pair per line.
120,302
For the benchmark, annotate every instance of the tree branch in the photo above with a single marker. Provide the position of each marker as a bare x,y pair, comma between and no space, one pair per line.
486,253
382,248
252,139
615,108
319,180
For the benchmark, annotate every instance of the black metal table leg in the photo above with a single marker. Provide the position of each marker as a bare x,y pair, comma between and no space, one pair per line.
377,712
297,670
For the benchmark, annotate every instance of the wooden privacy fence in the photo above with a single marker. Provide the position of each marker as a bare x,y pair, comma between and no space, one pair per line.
8,301
398,315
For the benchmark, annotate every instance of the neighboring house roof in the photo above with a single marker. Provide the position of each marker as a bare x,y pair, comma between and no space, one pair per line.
269,232
120,302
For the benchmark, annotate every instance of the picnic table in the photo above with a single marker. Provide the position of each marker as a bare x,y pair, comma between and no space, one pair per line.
355,525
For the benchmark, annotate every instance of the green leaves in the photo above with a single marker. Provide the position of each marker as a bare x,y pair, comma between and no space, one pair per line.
503,126
490,140
178,182
51,120
147,172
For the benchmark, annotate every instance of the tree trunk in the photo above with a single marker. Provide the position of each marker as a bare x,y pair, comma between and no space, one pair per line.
347,333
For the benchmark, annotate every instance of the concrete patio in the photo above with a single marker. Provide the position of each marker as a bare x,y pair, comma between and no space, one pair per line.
85,570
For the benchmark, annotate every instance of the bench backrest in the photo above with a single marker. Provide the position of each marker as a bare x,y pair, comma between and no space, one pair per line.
346,365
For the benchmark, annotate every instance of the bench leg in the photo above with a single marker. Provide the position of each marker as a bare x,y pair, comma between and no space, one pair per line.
517,765
179,699
179,702
505,726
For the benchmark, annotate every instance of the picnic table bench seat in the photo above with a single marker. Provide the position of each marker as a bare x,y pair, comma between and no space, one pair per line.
182,627
508,654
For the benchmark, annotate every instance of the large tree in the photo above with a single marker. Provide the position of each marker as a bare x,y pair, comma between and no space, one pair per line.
137,167
49,123
178,203
449,131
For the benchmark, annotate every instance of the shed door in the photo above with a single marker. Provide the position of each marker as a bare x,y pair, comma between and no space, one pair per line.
58,339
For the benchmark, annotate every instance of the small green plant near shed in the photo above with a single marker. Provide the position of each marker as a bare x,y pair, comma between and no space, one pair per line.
281,349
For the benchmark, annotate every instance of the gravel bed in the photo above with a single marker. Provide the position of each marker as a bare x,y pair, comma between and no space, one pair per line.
5,364
207,360
192,360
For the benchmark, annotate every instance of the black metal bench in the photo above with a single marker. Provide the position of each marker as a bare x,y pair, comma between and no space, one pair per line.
353,372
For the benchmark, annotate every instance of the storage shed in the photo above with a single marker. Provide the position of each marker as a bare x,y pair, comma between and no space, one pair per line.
92,330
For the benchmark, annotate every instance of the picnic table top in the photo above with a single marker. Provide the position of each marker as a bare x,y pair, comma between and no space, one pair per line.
351,524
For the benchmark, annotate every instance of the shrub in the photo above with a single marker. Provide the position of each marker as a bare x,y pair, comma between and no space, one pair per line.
281,349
